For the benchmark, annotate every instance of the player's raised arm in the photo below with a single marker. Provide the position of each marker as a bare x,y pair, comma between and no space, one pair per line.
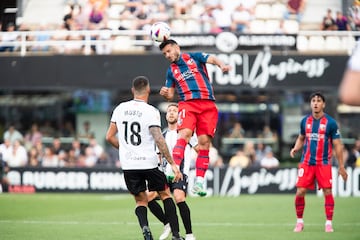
216,61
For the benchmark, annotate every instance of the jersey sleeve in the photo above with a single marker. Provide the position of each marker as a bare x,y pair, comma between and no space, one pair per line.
302,126
354,61
334,130
154,119
201,57
170,80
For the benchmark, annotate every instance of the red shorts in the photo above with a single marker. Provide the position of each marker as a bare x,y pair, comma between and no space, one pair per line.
307,175
198,115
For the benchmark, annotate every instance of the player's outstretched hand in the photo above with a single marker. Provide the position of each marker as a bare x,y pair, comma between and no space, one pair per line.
343,173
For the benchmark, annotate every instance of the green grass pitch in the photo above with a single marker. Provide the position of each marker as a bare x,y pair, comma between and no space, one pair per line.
111,216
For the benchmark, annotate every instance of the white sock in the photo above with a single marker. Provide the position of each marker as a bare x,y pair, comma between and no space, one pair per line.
300,220
328,222
200,179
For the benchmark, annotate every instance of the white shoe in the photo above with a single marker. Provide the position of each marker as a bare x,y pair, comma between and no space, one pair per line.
190,237
166,232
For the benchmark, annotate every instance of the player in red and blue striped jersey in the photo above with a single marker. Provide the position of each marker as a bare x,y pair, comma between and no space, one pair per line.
187,74
319,134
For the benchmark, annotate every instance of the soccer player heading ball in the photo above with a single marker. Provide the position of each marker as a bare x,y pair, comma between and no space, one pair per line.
197,110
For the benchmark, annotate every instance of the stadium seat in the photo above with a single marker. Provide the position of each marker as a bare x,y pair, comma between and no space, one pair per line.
291,26
302,43
333,43
257,26
178,26
192,26
316,43
262,11
272,26
277,10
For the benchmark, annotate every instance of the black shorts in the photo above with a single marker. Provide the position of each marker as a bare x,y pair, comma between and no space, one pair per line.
137,180
182,184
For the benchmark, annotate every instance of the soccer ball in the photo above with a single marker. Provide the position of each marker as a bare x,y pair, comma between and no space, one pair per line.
160,31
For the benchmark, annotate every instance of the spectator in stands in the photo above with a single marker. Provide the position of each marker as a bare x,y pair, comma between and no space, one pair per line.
90,157
34,135
328,23
341,21
239,160
354,154
41,37
236,131
13,134
47,129
50,158
98,149
221,11
241,19
10,36
97,17
295,8
18,156
34,159
86,131
81,19
182,7
68,18
259,154
57,145
269,161
355,17
249,150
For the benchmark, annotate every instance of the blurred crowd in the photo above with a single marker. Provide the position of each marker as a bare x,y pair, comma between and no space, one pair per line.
31,150
183,16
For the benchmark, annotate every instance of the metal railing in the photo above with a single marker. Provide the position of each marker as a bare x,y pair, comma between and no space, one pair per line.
138,40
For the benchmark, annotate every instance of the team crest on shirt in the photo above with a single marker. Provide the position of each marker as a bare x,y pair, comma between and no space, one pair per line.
190,61
308,126
322,126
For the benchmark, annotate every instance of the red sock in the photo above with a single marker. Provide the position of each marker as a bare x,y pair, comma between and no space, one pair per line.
178,151
329,206
202,163
299,206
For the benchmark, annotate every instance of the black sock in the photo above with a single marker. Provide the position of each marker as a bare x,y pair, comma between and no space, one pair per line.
141,213
185,216
170,213
157,210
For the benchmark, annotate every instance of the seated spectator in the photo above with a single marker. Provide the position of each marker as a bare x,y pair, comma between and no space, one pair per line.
13,134
236,131
86,131
9,36
18,156
269,161
239,160
354,154
34,158
296,8
50,158
34,135
259,154
241,19
355,16
341,21
182,7
328,23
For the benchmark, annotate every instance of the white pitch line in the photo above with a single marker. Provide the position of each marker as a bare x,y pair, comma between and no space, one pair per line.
212,224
